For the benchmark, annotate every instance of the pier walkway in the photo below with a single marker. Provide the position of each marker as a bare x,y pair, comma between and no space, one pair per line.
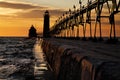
95,49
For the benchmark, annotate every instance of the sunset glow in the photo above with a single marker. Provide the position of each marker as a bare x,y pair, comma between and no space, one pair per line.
16,17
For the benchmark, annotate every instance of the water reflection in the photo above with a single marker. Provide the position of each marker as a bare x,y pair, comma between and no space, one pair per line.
38,51
41,68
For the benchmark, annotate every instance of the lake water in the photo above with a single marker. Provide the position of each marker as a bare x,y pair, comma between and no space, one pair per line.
22,59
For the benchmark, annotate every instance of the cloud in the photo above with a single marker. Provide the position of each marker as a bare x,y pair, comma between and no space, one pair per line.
27,10
36,13
57,12
30,14
23,6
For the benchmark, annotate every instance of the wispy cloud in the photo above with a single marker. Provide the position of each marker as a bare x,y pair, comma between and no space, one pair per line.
26,10
18,5
39,13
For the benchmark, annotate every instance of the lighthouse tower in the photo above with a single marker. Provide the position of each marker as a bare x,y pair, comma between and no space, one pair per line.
46,24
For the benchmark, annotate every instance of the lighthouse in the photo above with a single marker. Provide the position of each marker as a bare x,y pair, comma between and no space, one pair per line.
46,24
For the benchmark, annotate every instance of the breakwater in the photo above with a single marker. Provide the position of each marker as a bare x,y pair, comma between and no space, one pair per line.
80,60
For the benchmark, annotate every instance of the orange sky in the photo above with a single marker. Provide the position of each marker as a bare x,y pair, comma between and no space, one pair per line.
20,26
17,17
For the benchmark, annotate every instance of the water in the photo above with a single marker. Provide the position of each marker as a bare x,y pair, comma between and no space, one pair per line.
20,59
16,58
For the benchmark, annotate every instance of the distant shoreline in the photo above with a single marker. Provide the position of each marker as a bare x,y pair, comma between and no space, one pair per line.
27,37
13,37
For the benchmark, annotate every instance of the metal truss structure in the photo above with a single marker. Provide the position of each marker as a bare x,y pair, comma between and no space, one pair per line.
64,26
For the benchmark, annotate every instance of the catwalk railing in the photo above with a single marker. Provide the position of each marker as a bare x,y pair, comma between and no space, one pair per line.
65,25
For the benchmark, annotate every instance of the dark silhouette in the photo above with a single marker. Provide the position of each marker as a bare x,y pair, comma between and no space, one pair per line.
46,24
32,32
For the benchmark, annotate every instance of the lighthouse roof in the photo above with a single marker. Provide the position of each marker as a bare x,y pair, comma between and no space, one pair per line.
47,12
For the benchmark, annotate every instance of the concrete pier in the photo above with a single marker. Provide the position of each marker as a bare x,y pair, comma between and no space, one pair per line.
82,60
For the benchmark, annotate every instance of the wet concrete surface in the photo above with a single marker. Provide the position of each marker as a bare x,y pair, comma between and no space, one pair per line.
42,70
